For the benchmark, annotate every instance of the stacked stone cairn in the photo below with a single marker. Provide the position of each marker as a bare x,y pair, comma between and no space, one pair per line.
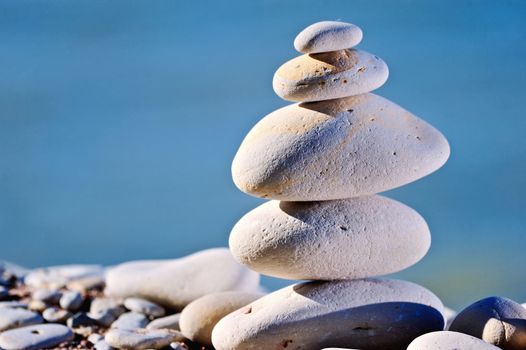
321,161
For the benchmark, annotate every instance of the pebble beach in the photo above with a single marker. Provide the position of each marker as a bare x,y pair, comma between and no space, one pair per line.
320,162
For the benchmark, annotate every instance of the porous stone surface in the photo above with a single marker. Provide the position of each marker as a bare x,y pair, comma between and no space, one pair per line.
363,314
446,340
327,36
343,148
205,272
200,316
329,75
496,320
340,239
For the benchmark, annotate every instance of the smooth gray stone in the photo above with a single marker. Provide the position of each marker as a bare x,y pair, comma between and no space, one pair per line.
55,315
144,306
130,320
35,337
142,338
167,322
445,340
496,320
71,300
14,318
51,296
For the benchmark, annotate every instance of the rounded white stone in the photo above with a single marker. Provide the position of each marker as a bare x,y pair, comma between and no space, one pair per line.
370,313
445,340
15,317
175,283
328,36
336,149
200,316
340,239
329,75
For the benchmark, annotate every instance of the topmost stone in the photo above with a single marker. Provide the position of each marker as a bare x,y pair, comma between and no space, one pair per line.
328,36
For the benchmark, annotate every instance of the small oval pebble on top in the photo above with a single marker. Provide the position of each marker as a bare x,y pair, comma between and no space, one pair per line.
328,36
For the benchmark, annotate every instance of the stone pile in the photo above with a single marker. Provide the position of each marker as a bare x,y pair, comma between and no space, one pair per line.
321,161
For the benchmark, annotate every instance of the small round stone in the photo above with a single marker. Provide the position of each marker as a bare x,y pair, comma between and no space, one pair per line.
71,300
55,315
446,340
200,316
14,318
35,337
328,36
130,320
142,338
144,306
496,320
167,322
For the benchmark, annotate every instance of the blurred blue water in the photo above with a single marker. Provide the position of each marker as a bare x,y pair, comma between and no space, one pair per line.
120,120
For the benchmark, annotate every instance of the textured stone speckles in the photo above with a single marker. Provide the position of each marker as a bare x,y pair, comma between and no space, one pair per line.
328,36
329,75
336,149
340,239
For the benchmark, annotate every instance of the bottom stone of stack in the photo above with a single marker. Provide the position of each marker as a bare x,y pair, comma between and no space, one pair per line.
364,314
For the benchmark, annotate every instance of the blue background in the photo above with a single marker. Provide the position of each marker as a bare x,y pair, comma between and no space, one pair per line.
119,121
